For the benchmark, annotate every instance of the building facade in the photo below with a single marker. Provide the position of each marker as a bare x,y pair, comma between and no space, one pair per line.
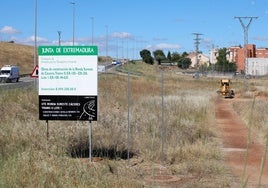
201,59
262,53
243,57
257,66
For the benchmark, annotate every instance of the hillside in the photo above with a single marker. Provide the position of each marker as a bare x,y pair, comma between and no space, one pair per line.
17,54
23,56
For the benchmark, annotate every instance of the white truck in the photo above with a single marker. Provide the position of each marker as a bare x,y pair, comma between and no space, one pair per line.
9,73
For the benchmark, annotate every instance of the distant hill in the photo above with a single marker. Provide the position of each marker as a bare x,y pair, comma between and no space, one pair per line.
23,56
17,54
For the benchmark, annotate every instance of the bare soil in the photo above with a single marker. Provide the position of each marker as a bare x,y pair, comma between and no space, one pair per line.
234,136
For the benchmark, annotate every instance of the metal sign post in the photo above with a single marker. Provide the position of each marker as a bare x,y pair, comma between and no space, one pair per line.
47,128
163,122
90,141
128,115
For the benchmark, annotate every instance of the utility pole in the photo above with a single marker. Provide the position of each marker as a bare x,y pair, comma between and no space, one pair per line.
106,44
245,27
35,40
73,4
197,42
92,30
59,34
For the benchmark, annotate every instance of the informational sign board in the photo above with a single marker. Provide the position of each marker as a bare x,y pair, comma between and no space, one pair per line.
68,82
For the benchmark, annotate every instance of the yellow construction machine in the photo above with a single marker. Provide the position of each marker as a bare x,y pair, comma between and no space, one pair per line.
225,89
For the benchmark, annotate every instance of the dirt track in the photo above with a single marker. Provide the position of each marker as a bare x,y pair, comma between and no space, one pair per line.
234,136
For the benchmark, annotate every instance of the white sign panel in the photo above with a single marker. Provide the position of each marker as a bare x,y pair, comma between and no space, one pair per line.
68,81
61,75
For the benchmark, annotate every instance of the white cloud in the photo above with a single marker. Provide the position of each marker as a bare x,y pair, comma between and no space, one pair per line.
207,41
121,35
9,30
31,39
163,46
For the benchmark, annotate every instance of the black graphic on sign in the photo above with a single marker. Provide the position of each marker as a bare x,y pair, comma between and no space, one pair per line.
83,108
89,112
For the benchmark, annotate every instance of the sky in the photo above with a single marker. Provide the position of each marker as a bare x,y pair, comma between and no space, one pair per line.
122,28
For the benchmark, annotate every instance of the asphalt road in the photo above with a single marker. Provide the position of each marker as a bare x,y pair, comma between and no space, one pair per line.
24,82
27,81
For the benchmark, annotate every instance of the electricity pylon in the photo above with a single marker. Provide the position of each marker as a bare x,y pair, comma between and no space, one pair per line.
197,42
245,27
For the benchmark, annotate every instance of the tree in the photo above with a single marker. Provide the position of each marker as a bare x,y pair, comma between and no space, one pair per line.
159,56
184,55
223,64
182,60
184,63
146,57
169,56
175,57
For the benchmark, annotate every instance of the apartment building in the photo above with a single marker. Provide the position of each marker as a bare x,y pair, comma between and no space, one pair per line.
262,53
237,54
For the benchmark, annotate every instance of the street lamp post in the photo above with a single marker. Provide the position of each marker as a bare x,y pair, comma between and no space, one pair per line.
73,3
35,39
92,30
106,26
59,33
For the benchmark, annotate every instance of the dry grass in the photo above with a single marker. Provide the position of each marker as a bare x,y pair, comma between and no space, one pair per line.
257,119
251,110
17,54
23,56
257,91
191,149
